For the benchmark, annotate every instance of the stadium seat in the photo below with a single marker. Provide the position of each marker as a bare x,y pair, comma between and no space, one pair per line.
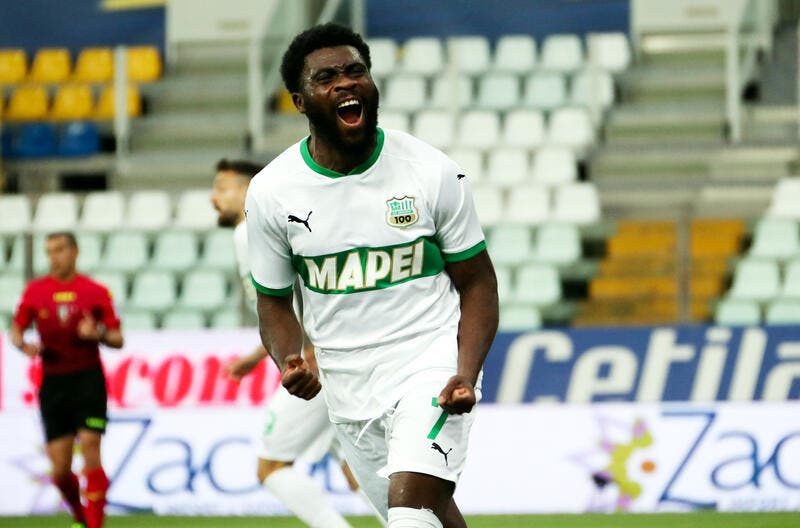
72,102
776,238
436,127
116,283
505,283
6,139
608,51
517,318
149,210
5,322
78,138
523,128
537,284
182,319
545,90
577,203
125,251
471,162
383,54
515,54
498,91
11,288
468,54
528,205
194,210
405,93
13,66
41,264
510,244
16,213
423,56
785,198
34,140
153,290
174,251
553,166
226,318
479,129
783,312
571,127
218,250
50,65
133,319
562,53
507,167
203,290
103,211
94,65
105,103
732,312
791,281
755,280
16,259
450,91
90,250
558,244
593,89
55,212
488,203
395,120
27,103
143,64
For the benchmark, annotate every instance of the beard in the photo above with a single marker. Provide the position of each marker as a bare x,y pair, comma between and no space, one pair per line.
226,220
326,126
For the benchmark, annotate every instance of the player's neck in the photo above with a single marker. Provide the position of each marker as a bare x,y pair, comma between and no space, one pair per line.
336,159
64,277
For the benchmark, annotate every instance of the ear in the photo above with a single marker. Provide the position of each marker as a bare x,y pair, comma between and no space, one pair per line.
299,102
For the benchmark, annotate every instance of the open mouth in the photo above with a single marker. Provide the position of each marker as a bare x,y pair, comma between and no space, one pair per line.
350,111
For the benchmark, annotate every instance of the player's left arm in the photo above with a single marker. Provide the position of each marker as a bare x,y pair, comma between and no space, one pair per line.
475,281
101,324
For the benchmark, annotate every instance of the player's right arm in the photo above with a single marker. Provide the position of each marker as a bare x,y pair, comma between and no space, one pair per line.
282,336
22,319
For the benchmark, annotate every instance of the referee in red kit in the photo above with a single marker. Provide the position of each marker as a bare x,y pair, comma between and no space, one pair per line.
73,315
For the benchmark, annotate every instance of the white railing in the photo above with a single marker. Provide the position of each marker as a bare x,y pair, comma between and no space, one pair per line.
749,33
260,84
122,123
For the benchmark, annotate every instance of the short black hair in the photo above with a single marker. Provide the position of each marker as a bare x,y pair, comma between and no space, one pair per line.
318,37
242,167
69,235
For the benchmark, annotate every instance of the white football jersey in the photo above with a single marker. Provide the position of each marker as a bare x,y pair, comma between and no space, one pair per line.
370,249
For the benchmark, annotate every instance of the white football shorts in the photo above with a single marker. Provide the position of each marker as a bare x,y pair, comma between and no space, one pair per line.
415,435
295,428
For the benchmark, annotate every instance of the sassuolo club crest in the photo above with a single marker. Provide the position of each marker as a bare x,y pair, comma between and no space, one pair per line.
401,212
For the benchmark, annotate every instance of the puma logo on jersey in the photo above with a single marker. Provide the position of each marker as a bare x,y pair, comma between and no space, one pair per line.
460,176
293,218
437,447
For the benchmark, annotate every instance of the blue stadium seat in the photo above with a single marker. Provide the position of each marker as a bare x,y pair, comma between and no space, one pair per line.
34,140
5,143
78,138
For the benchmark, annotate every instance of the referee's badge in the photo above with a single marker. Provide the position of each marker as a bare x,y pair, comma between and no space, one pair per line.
401,212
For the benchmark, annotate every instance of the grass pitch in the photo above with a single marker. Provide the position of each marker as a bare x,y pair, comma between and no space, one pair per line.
677,520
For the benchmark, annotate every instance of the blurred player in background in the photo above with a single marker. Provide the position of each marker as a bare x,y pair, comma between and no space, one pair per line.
399,293
293,427
73,315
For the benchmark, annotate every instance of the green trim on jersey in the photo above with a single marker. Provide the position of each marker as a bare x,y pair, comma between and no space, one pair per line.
466,254
371,268
280,292
316,167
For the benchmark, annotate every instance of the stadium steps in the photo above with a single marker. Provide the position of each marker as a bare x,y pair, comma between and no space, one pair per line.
673,121
649,83
181,130
198,92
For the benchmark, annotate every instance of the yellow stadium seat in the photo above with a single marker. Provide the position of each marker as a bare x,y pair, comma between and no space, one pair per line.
144,64
72,102
51,65
105,106
94,65
27,103
13,66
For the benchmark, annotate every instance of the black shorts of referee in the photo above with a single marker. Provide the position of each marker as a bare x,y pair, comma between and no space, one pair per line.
73,401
